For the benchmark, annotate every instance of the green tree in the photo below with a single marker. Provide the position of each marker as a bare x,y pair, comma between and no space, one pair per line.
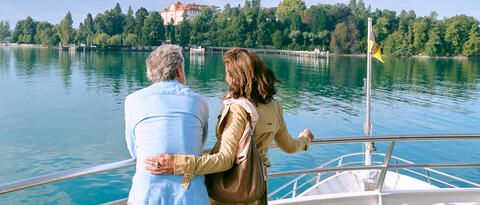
435,43
170,32
66,29
397,44
319,20
44,34
114,20
102,39
420,34
89,29
115,40
184,32
25,31
287,8
4,31
130,40
277,39
140,15
129,22
472,45
265,28
381,27
456,33
153,32
345,38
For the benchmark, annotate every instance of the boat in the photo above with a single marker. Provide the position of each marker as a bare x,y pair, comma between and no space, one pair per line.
197,51
361,178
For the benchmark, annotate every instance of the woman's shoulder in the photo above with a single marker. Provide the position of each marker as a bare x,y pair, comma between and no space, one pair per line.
237,110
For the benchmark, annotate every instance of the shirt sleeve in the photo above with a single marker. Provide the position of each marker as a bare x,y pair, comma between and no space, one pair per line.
129,136
235,123
205,124
283,138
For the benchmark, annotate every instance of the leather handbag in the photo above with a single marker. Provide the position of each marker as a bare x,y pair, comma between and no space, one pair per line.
245,182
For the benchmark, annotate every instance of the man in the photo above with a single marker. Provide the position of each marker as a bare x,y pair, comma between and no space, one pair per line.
166,117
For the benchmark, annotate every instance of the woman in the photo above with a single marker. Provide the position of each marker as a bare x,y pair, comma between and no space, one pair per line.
247,77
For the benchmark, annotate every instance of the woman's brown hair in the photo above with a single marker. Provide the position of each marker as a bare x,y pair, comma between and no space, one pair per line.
248,76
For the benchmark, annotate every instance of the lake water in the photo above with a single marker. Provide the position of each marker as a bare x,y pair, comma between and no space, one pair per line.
60,110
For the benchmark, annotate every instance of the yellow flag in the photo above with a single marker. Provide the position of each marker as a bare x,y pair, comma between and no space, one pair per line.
374,48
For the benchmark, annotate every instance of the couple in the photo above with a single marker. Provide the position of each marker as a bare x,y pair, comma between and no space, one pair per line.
166,127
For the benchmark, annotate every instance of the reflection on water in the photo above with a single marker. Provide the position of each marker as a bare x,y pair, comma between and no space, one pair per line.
62,110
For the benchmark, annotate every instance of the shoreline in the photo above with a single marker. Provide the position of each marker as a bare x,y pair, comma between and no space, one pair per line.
149,48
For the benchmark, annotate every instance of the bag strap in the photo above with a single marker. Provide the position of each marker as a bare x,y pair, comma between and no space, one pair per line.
247,134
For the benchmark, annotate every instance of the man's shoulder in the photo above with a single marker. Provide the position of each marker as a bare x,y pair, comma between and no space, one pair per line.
137,94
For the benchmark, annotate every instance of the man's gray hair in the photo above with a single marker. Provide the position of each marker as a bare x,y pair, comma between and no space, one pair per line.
162,63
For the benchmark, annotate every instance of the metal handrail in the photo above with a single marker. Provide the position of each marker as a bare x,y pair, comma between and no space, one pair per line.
74,173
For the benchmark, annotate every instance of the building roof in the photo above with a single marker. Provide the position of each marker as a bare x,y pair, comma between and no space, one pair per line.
179,6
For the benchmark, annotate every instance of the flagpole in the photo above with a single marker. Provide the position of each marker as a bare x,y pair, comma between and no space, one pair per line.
367,128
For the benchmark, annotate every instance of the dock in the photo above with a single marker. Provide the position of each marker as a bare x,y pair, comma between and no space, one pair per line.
317,53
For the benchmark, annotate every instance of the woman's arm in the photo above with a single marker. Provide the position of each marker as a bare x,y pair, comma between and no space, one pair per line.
285,141
235,123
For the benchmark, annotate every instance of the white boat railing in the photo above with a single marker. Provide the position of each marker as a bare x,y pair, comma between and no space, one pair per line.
340,161
341,165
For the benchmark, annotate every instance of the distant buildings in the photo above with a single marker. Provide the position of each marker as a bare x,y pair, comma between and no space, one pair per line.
177,10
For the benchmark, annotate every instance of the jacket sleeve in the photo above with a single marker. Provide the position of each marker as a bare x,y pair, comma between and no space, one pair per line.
235,123
129,136
283,138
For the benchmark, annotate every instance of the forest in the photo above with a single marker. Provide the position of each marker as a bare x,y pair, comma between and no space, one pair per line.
339,28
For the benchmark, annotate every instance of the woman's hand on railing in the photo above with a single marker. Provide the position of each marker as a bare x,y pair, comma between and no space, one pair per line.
307,132
160,164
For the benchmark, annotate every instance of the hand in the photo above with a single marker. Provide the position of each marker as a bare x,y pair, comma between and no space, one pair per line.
160,164
308,133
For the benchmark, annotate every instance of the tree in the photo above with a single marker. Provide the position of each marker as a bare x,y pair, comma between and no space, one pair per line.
381,29
472,45
89,28
319,20
4,31
456,33
184,32
170,32
140,15
44,34
102,39
277,39
130,40
153,32
420,34
66,29
397,44
129,22
434,45
287,8
25,31
345,38
113,21
115,40
265,28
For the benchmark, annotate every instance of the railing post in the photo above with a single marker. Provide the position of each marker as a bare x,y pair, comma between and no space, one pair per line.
318,177
340,161
386,164
427,173
294,193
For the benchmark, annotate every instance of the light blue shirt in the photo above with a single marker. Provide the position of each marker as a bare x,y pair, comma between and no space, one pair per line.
166,117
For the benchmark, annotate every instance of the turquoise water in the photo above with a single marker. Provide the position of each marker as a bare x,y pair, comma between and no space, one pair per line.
60,111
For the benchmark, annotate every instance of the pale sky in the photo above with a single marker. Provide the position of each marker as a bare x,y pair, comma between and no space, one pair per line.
54,10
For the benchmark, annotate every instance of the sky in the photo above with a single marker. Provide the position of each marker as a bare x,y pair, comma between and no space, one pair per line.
54,10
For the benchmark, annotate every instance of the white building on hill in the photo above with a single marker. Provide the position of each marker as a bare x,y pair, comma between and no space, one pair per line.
175,12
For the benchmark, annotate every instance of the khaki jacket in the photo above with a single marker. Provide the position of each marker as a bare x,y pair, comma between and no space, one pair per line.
270,127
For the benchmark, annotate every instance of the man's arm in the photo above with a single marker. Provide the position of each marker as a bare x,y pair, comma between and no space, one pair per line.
129,135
